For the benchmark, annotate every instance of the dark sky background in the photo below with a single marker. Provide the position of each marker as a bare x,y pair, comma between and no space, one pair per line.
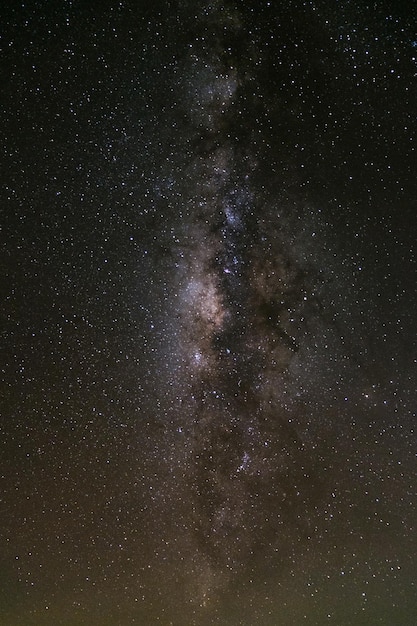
208,338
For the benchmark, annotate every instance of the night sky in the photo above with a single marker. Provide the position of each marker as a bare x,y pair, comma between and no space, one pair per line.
208,337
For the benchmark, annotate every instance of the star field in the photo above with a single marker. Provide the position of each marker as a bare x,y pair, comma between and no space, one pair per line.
208,322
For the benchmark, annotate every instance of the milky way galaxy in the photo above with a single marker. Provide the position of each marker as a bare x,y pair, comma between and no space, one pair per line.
240,305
